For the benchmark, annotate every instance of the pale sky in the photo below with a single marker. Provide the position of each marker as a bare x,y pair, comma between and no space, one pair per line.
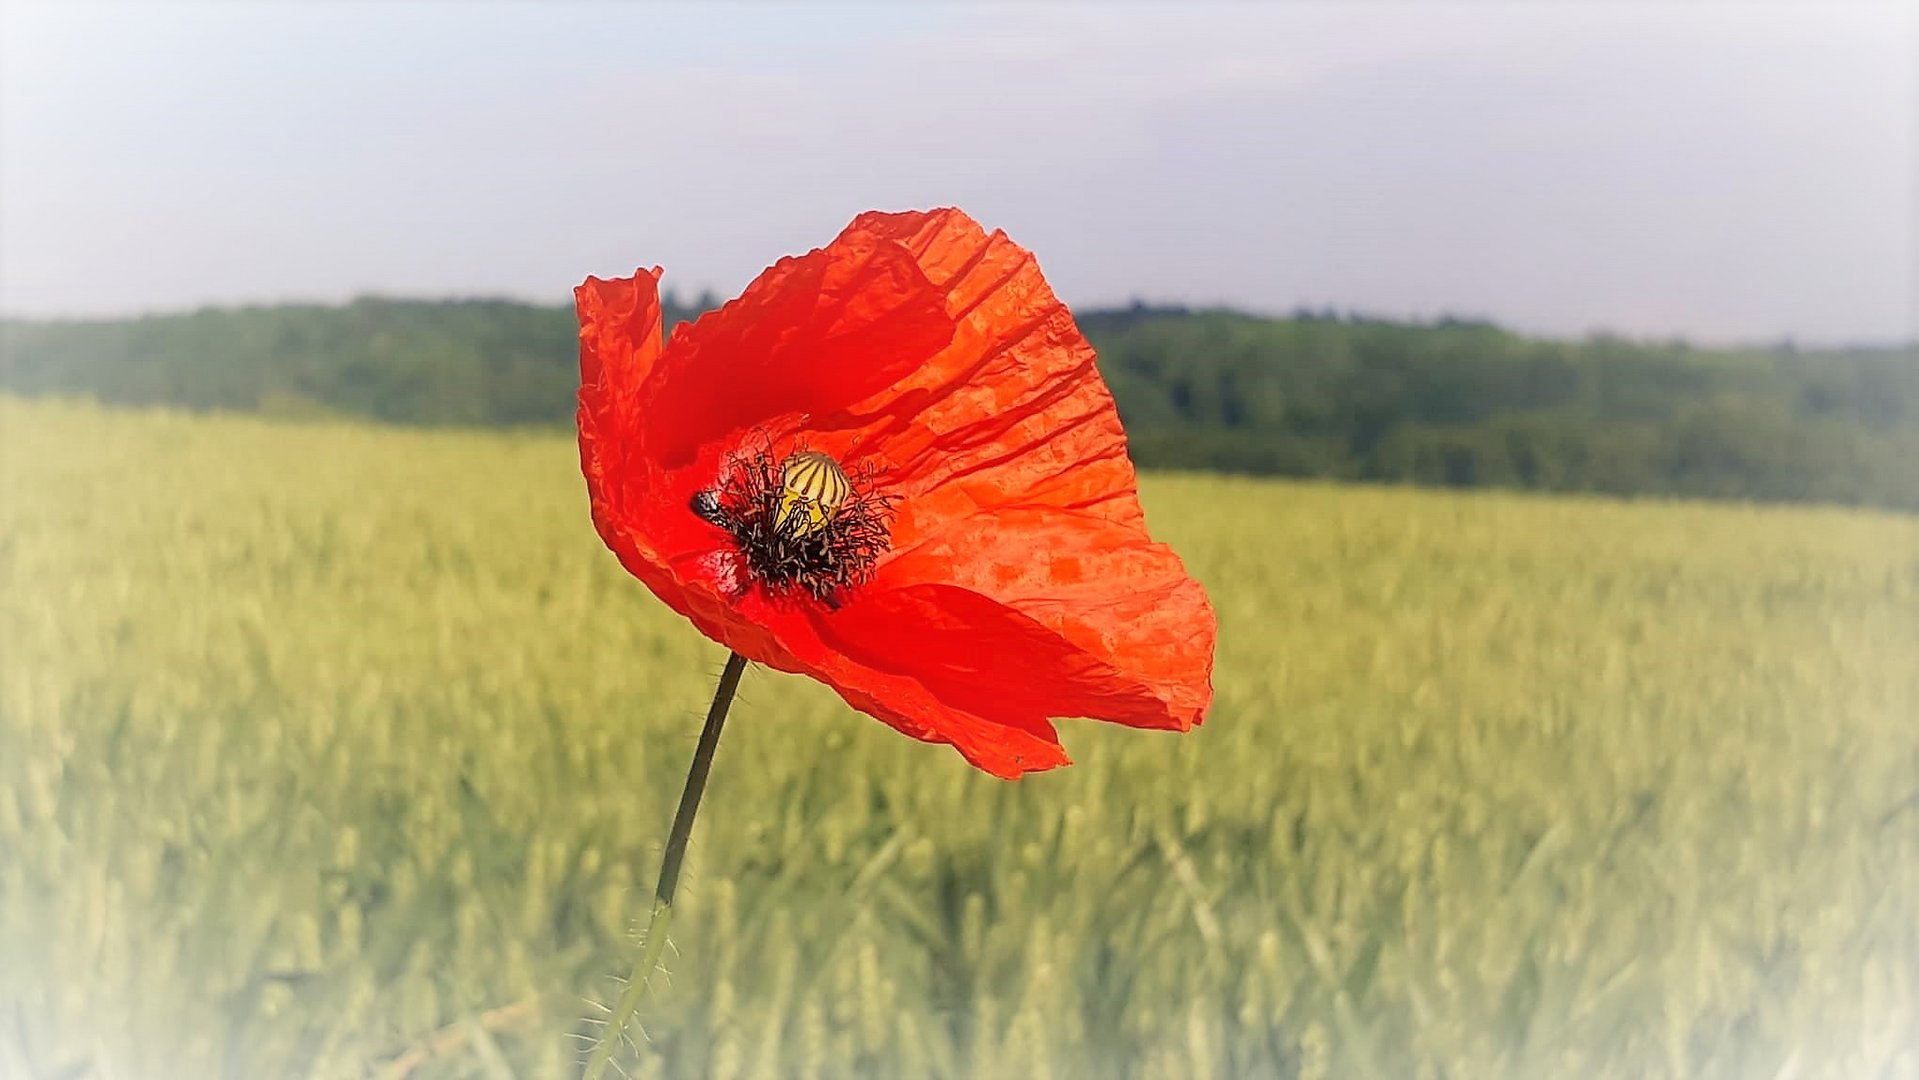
1719,171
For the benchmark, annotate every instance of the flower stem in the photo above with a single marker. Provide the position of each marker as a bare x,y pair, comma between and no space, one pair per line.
656,925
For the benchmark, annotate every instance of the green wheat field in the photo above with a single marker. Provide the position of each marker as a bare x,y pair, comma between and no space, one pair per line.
337,751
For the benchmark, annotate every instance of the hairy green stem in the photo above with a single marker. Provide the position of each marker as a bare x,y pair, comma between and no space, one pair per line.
656,924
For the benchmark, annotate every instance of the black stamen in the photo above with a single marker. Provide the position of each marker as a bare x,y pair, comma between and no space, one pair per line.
823,561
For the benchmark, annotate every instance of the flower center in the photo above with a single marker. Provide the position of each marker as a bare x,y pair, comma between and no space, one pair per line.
801,523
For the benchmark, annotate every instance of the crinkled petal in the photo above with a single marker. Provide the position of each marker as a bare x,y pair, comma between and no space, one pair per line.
620,340
810,335
1142,628
1008,458
1012,411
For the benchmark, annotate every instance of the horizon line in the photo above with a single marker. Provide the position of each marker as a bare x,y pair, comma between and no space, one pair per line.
1783,342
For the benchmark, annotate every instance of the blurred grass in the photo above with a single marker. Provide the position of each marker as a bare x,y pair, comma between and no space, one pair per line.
318,740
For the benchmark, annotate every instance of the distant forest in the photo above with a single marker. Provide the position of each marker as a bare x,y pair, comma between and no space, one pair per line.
1453,403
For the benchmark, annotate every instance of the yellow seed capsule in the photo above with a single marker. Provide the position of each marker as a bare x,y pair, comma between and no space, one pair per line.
813,487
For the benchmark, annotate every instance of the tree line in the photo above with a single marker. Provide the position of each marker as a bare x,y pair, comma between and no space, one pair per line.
1457,403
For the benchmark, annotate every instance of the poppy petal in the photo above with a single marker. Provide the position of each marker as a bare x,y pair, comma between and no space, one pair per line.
1008,458
620,342
808,336
855,651
1124,603
979,658
1012,411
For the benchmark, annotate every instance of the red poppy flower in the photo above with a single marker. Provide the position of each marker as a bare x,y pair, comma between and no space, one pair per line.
960,552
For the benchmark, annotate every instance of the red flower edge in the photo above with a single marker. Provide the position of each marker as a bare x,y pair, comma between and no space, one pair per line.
933,361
